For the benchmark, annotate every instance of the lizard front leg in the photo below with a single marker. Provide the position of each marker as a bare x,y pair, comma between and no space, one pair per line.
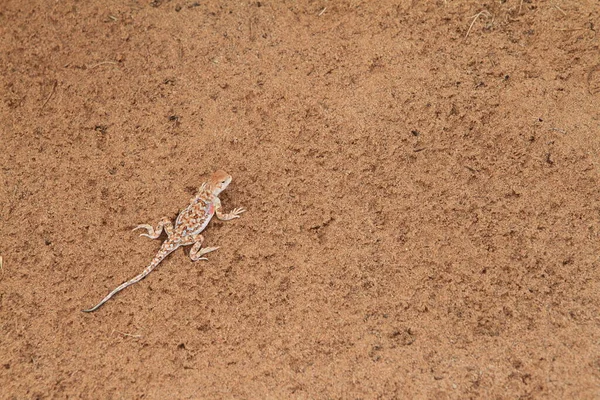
196,252
164,223
235,213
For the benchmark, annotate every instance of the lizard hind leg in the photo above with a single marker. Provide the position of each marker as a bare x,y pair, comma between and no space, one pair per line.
196,252
154,233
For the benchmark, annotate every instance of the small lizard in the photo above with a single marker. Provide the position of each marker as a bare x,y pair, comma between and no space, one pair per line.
189,224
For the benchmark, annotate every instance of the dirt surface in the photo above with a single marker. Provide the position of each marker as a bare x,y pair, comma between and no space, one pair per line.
421,179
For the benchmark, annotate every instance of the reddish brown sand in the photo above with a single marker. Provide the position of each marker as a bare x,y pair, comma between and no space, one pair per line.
422,189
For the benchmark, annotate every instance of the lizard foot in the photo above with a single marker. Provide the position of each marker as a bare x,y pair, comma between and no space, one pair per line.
154,233
147,227
197,255
235,213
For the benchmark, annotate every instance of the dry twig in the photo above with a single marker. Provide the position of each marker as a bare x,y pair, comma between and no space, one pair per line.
51,93
485,13
128,334
102,63
560,9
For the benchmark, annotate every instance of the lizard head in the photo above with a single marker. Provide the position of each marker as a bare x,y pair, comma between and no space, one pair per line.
218,181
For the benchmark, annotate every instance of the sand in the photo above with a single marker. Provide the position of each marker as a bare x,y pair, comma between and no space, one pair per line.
421,180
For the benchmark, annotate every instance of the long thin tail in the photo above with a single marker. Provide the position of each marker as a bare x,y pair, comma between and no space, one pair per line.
165,250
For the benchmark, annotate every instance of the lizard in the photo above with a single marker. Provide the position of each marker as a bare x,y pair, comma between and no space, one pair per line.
189,225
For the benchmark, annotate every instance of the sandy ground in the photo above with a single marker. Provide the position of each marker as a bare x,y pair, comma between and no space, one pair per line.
421,179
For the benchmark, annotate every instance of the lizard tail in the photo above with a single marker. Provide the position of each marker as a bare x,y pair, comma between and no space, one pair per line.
166,249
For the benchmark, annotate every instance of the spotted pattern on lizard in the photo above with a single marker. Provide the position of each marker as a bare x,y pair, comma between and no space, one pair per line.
188,228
